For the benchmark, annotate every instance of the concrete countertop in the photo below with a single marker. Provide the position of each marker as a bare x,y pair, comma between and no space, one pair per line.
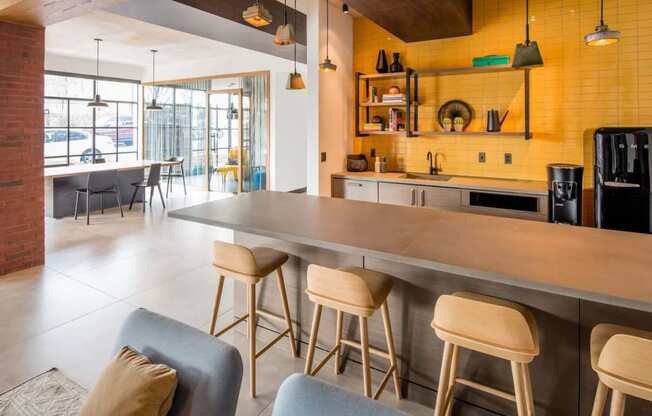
605,266
461,182
84,169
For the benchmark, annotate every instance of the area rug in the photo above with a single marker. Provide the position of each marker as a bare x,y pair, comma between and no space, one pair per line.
48,394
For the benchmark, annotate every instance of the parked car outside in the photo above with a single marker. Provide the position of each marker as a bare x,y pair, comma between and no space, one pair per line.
81,145
125,131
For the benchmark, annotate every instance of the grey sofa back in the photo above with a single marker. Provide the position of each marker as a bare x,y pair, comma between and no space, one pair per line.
209,371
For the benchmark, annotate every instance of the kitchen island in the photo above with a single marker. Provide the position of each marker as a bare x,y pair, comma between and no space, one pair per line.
571,277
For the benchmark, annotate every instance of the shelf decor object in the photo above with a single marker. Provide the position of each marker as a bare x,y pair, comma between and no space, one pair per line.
285,32
381,62
454,110
602,36
257,15
396,65
527,53
153,106
490,60
295,81
97,102
327,65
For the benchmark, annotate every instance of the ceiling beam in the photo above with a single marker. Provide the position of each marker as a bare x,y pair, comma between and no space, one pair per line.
47,12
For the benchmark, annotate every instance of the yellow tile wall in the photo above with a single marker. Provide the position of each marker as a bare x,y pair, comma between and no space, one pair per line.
578,90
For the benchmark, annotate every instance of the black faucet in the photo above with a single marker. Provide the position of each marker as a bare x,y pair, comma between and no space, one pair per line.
432,169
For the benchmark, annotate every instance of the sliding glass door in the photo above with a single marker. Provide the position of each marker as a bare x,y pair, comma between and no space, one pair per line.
225,140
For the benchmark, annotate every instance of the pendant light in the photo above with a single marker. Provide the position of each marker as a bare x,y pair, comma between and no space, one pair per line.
153,106
97,102
527,53
327,65
257,15
285,32
602,35
295,81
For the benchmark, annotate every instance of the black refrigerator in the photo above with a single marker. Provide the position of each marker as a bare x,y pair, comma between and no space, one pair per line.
622,198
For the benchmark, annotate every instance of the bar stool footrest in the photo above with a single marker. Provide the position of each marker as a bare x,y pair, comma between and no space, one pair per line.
231,325
325,360
486,389
272,342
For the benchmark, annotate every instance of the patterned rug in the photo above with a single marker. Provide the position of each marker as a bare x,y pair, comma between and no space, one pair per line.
48,394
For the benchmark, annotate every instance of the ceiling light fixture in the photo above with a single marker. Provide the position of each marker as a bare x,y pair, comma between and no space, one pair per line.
285,32
153,106
602,35
327,65
257,15
295,81
97,102
345,8
527,53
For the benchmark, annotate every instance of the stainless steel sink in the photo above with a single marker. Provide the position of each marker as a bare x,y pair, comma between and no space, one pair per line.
425,176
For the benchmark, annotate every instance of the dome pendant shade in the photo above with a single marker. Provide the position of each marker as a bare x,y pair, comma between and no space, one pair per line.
295,82
602,36
153,106
97,102
285,35
257,15
327,66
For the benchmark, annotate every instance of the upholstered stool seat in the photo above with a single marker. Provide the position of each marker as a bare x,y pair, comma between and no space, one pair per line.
622,358
250,266
359,292
492,326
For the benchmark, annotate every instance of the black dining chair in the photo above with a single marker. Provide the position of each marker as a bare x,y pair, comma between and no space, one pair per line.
101,183
153,180
173,173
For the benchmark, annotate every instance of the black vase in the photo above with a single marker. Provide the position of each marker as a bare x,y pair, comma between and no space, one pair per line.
396,65
381,62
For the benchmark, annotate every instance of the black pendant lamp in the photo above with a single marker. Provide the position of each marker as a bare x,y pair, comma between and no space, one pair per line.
97,102
527,53
295,81
602,36
153,106
327,65
285,32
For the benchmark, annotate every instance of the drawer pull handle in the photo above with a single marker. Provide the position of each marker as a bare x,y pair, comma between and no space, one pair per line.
423,198
414,197
354,184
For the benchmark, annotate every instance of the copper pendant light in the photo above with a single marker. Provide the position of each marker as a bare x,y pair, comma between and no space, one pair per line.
327,65
97,102
295,81
153,106
602,36
285,32
257,15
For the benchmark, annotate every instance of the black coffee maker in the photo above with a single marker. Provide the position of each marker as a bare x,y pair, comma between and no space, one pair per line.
565,193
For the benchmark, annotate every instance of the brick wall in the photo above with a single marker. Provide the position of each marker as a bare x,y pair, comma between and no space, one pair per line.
21,147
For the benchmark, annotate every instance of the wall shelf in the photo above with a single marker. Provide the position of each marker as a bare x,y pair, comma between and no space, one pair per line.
383,104
474,70
388,75
471,133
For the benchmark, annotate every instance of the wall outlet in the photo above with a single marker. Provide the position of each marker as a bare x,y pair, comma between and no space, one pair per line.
482,157
508,158
323,156
373,152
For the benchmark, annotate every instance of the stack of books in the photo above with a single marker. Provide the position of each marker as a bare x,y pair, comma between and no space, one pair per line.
393,98
396,121
373,127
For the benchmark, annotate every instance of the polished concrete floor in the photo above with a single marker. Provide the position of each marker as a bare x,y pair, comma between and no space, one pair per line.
67,313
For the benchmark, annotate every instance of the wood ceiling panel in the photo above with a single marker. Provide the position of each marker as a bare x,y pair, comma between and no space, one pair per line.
417,20
47,12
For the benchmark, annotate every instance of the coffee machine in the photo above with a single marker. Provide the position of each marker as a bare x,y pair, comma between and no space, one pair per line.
565,193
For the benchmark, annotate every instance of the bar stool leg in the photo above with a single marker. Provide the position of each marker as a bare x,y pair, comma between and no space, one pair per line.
88,207
600,399
102,203
338,341
444,379
216,305
450,398
617,403
251,304
183,179
390,349
286,310
527,384
76,203
364,344
517,376
316,317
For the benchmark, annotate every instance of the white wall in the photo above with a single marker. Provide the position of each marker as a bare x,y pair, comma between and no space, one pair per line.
61,63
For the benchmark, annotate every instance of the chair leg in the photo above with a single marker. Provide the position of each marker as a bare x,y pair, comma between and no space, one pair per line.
88,207
167,188
216,305
251,321
517,376
316,318
160,193
183,179
617,403
117,197
390,349
151,195
338,339
450,391
444,379
144,198
364,344
527,385
102,203
133,198
600,399
76,203
286,310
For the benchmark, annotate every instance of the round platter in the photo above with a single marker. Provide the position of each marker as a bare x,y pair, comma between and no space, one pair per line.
455,108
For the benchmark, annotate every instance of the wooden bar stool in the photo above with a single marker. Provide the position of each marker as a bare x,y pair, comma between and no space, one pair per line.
359,292
622,357
250,266
491,326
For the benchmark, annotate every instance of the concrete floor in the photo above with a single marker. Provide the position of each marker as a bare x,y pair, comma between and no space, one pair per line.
67,313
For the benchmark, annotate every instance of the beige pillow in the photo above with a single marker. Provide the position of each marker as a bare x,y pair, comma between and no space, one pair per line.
132,386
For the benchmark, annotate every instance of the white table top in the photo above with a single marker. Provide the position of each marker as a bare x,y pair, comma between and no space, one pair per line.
84,169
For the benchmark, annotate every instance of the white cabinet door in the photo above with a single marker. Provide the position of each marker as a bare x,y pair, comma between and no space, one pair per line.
448,198
355,190
397,194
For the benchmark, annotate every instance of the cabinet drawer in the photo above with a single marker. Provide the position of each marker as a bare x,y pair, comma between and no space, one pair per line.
447,198
397,194
355,190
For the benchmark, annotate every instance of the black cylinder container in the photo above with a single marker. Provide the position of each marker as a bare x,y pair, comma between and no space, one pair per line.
565,193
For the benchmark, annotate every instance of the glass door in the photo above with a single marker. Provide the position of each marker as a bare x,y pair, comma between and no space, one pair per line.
224,156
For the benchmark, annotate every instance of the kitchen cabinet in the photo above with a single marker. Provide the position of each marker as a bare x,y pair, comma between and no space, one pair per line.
419,196
397,194
504,204
355,190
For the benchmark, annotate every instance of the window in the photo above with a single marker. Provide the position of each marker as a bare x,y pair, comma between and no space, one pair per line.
75,133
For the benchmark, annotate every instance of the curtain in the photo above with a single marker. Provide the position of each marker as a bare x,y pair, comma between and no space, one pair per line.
254,156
